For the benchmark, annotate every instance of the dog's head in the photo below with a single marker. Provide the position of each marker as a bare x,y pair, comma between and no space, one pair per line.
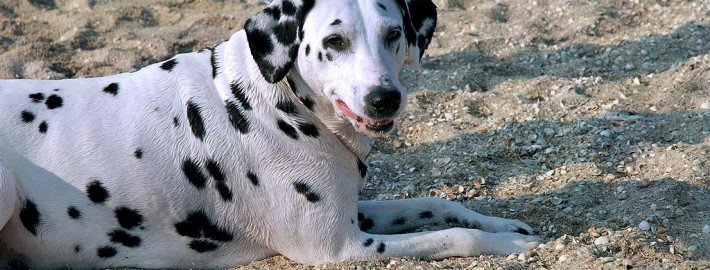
349,51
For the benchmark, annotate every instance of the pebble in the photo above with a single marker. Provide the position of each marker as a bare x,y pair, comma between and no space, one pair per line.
605,133
603,240
692,248
607,259
563,258
705,106
706,229
560,246
644,225
521,257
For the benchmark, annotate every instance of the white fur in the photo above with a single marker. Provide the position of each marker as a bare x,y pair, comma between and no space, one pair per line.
94,134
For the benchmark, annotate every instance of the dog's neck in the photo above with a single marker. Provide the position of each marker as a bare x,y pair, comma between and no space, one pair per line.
325,112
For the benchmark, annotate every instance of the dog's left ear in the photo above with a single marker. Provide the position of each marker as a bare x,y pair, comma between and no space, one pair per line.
274,36
419,23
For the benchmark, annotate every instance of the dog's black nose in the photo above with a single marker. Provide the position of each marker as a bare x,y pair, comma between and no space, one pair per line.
382,102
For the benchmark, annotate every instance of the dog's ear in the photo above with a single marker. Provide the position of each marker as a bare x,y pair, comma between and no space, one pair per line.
419,23
274,36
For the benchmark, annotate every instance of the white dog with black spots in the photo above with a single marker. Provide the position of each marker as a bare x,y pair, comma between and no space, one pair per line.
217,158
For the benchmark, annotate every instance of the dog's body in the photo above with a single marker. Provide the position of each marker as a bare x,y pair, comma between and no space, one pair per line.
208,160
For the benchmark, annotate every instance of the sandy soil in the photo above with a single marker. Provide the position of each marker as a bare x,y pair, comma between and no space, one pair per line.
582,118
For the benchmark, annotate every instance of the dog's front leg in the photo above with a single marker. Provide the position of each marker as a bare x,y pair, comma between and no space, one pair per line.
396,216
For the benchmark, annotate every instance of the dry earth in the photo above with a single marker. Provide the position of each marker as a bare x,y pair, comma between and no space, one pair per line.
582,118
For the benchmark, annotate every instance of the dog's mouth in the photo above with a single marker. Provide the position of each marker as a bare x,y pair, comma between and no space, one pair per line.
363,123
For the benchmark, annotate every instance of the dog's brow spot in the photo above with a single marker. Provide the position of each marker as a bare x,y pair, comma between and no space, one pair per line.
37,97
27,117
73,212
194,174
362,168
138,153
202,246
54,102
96,192
426,214
43,127
238,92
128,218
336,22
194,117
381,248
287,129
122,237
399,221
111,89
320,56
30,217
237,118
253,178
382,6
308,129
368,242
366,224
106,252
308,50
169,65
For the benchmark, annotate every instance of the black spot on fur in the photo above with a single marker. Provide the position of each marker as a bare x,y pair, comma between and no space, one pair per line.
77,248
73,212
43,127
169,65
368,242
138,153
287,129
27,117
381,248
128,218
286,32
288,8
366,224
176,121
253,178
96,192
37,97
202,246
320,56
399,221
122,237
426,214
30,217
238,92
236,117
274,12
195,119
452,220
54,102
111,89
304,189
308,102
308,129
216,171
336,22
308,50
106,252
382,6
362,168
329,56
194,174
198,225
287,106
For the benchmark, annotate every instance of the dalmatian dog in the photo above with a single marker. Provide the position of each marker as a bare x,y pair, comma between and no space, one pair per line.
213,159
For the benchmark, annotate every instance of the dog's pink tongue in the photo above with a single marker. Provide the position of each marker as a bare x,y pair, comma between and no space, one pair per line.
346,110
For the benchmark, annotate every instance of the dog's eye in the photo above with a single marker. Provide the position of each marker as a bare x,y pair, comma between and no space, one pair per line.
336,42
393,35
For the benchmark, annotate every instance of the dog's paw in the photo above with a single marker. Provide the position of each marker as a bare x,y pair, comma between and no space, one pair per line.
495,224
510,243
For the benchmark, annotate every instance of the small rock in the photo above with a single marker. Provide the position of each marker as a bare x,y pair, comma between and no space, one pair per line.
603,240
692,248
563,258
607,259
706,229
521,257
644,225
629,67
560,246
605,133
705,106
511,257
642,183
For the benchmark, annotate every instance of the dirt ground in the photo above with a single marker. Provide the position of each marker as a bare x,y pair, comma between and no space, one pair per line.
589,120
